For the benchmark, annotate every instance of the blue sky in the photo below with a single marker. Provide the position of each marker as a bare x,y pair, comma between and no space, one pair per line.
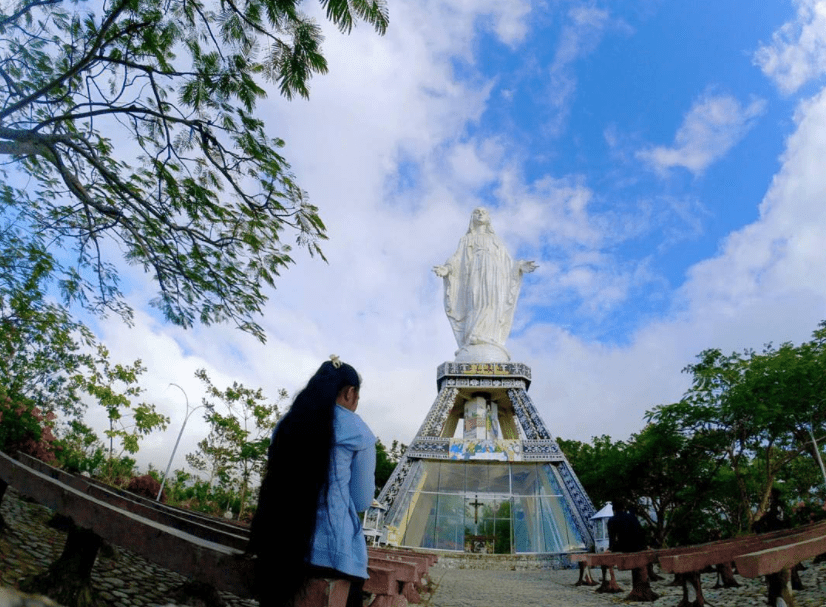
663,163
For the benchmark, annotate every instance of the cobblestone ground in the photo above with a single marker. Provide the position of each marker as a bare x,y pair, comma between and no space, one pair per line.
542,588
478,588
124,579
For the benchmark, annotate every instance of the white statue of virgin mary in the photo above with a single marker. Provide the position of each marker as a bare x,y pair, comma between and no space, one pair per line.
482,285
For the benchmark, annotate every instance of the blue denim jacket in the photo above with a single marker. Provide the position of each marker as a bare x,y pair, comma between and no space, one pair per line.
339,542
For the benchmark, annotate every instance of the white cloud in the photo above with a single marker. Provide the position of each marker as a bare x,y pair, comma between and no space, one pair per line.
378,305
797,51
713,125
509,20
779,255
767,283
581,34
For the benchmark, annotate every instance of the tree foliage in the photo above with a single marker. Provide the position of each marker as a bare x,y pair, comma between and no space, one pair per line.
42,348
386,461
241,422
189,491
133,122
24,428
599,466
759,410
705,466
671,474
114,387
80,449
50,364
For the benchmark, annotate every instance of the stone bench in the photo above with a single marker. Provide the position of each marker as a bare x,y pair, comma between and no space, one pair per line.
199,526
689,561
229,534
201,560
409,573
638,562
772,554
777,563
209,554
80,481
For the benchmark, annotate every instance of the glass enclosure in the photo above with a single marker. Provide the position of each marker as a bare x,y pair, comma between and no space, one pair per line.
486,507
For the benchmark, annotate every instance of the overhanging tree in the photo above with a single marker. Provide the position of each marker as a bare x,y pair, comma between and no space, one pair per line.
49,363
133,122
762,410
42,348
45,355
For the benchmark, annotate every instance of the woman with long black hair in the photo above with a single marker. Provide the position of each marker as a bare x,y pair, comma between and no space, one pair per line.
320,475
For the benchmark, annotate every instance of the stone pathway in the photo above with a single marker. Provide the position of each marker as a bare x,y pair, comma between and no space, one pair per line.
554,588
124,579
532,588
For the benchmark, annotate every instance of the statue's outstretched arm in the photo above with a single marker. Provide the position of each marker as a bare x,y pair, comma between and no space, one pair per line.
441,271
526,267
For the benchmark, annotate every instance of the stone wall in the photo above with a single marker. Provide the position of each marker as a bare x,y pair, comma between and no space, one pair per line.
506,562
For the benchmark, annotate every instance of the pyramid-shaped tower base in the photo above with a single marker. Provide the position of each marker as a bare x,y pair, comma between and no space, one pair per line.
483,474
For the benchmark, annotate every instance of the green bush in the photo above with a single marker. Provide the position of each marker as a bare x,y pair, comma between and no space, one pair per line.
25,429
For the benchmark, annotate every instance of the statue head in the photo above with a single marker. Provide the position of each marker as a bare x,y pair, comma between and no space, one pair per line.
480,220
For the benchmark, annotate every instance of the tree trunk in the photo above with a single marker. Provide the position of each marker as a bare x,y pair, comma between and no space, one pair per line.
764,501
814,449
68,580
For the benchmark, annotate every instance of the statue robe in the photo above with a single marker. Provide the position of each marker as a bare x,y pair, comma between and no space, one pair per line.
481,289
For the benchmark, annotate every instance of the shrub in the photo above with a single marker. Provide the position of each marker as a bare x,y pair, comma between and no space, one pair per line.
24,428
145,486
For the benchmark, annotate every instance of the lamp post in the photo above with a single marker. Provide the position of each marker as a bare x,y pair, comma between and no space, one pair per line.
175,448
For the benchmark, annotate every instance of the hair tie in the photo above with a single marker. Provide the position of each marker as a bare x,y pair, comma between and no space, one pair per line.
335,360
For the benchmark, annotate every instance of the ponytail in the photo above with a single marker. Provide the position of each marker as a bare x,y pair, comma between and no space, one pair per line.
295,482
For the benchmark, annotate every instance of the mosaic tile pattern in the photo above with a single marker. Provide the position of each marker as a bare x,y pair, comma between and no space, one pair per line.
496,450
393,485
480,369
541,451
434,423
515,450
528,416
576,494
471,382
429,447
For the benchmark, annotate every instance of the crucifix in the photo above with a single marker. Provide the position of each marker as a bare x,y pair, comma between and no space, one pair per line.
476,505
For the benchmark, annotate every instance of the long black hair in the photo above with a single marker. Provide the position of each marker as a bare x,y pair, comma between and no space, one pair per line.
295,481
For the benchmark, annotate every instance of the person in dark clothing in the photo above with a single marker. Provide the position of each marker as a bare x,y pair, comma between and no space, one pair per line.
625,533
